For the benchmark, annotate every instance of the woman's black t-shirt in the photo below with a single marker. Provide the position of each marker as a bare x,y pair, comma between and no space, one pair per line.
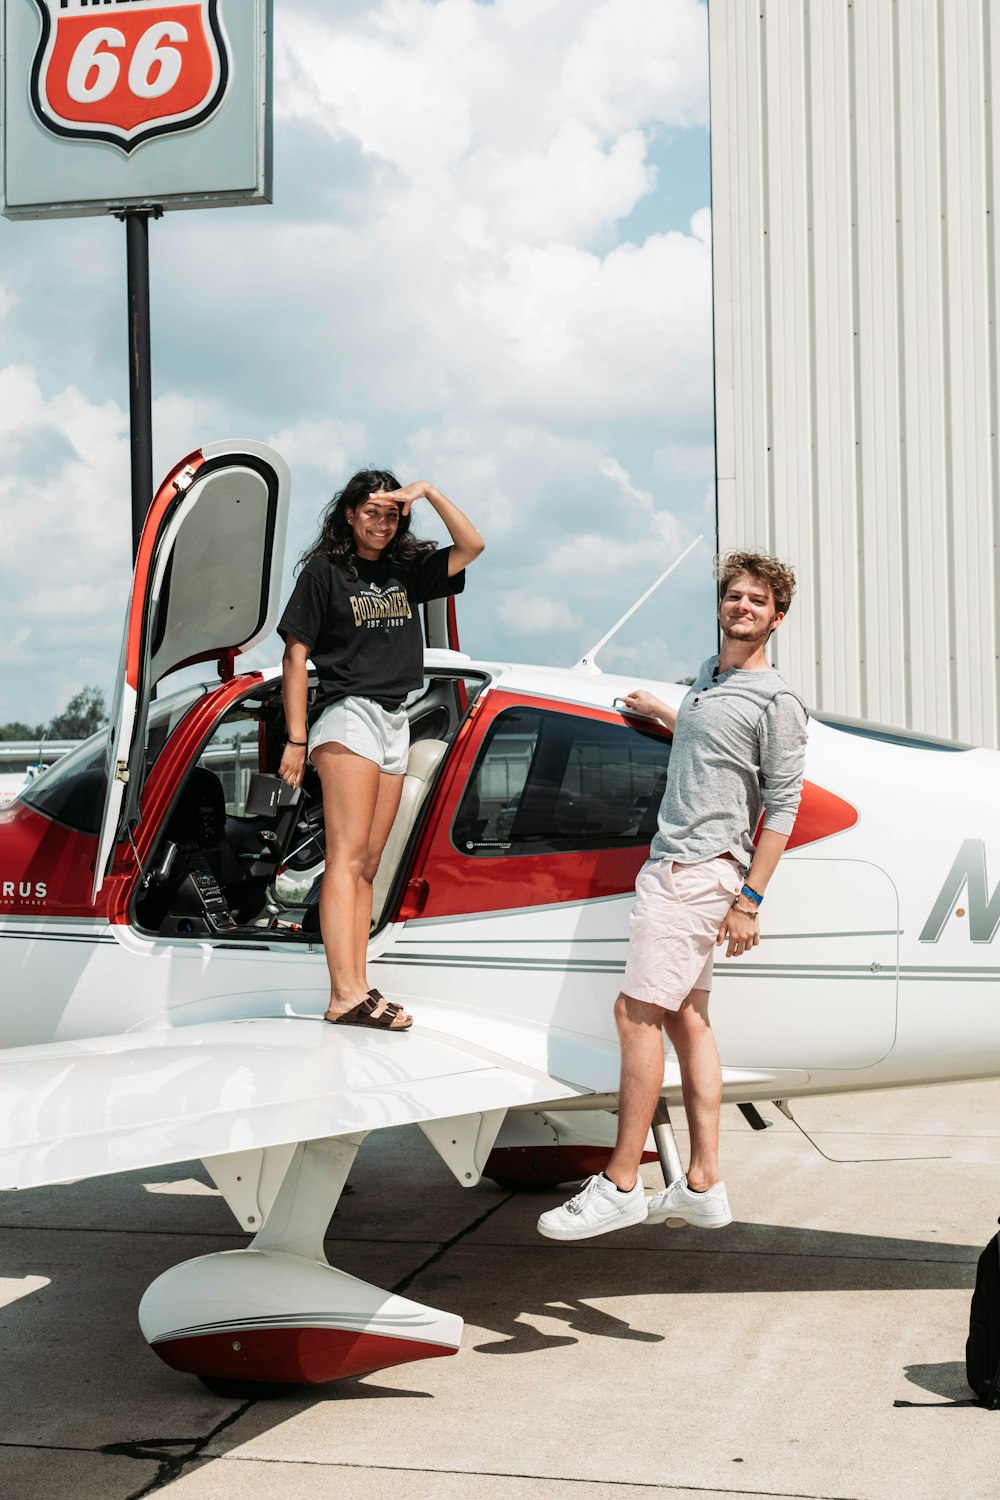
363,634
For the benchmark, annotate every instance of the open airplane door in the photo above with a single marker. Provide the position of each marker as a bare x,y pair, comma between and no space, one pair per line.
441,625
206,586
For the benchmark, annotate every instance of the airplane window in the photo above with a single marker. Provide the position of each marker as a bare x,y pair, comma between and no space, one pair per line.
232,754
72,790
552,781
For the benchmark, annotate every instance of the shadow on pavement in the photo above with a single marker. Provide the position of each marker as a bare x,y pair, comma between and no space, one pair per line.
578,1316
942,1380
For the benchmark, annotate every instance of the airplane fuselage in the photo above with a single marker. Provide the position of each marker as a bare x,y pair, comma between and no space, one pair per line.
875,967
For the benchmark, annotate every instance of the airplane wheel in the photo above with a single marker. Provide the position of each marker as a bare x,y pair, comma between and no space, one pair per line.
247,1390
257,1324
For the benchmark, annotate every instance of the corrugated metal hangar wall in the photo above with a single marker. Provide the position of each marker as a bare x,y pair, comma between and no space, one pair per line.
855,154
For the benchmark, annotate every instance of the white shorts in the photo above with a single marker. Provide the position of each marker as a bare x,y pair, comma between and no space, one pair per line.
366,728
673,927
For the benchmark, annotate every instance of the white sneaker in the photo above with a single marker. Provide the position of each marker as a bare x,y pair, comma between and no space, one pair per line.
597,1208
677,1204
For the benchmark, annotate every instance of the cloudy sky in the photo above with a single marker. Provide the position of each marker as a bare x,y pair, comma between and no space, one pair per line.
487,264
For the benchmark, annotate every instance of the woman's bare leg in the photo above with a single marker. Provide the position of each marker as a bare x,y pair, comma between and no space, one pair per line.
350,795
390,789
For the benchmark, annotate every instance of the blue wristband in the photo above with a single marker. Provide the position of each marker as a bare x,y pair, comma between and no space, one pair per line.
755,896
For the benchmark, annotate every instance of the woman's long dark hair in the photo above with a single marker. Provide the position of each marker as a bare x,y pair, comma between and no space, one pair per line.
336,539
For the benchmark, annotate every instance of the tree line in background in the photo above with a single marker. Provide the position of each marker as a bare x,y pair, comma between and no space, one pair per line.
83,715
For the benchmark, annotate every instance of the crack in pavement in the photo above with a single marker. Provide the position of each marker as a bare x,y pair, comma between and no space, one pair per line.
320,1463
660,1485
442,1250
171,1464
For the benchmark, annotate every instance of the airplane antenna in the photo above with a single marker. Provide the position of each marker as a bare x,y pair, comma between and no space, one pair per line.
588,662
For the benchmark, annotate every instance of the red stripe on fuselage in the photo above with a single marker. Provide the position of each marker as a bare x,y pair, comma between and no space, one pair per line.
459,884
34,849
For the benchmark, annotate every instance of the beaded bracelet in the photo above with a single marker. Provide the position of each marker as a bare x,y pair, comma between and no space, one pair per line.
755,896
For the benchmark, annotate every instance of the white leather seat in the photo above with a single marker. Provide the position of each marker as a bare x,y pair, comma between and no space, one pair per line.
424,758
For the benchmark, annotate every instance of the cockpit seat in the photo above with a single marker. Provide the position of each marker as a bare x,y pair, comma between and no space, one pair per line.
200,815
424,759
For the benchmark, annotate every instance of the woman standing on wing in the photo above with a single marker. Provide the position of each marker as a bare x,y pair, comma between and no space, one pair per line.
353,611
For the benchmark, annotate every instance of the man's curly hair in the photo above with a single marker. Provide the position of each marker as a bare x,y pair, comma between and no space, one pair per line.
779,577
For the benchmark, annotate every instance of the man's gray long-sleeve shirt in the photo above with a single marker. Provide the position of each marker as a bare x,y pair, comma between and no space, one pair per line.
739,748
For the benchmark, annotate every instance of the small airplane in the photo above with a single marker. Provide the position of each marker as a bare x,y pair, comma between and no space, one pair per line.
12,783
164,978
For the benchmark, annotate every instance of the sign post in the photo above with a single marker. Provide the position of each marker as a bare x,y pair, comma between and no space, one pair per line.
140,384
134,108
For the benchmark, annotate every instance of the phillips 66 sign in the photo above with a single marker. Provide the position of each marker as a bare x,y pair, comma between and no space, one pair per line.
118,103
128,73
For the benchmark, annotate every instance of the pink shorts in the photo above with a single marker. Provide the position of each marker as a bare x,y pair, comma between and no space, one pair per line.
673,927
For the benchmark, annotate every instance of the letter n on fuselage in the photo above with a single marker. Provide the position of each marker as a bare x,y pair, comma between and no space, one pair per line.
969,870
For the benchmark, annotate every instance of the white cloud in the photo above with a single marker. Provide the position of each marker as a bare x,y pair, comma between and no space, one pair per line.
635,543
527,613
443,285
485,104
653,657
11,644
506,140
697,460
577,186
334,448
587,562
182,424
64,564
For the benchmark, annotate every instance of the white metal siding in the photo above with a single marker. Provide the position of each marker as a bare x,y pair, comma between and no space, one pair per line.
854,170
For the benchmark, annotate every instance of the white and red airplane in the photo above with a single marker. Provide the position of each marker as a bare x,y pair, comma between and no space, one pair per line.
164,980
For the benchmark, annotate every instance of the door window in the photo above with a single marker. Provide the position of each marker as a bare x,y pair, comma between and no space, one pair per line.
233,756
553,781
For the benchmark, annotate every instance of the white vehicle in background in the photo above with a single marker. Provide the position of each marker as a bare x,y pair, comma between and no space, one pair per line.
11,784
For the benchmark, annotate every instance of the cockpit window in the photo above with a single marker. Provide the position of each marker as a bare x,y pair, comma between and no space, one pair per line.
72,790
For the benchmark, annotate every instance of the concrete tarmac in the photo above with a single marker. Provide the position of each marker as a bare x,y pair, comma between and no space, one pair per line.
815,1348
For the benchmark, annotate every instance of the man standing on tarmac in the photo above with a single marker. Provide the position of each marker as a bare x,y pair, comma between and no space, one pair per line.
738,750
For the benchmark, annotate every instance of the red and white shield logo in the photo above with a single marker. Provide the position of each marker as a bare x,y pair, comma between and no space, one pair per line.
126,71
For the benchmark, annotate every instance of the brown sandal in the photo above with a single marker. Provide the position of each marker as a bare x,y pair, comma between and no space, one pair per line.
377,995
363,1014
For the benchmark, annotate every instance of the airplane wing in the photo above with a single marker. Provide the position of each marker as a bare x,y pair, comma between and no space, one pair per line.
112,1104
